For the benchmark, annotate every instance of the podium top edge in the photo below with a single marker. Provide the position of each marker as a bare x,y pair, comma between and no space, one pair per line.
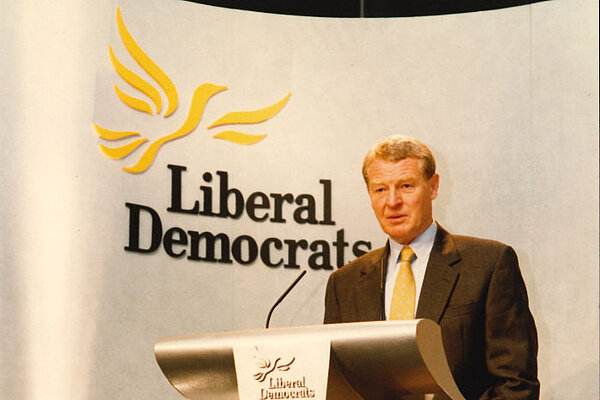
356,330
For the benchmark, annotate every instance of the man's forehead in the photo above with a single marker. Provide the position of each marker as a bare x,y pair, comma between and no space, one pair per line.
387,172
404,177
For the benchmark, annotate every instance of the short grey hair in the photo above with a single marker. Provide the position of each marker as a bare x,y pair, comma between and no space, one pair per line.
397,148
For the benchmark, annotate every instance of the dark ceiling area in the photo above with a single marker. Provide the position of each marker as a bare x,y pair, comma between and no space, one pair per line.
365,8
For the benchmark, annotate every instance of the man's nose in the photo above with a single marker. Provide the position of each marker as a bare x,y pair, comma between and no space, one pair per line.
394,198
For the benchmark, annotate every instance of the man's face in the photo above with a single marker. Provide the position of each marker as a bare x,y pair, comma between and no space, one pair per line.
401,197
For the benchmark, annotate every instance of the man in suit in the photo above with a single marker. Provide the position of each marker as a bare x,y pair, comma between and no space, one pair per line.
471,287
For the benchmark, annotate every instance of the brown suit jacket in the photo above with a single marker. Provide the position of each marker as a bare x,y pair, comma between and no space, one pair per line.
473,288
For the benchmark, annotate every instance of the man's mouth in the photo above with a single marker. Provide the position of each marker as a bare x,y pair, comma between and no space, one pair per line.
396,218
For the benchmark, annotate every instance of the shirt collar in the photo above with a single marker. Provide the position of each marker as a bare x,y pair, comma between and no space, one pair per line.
421,245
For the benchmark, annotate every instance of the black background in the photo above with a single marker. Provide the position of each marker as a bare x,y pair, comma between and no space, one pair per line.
370,8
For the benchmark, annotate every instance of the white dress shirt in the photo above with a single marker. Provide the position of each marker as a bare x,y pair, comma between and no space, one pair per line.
422,246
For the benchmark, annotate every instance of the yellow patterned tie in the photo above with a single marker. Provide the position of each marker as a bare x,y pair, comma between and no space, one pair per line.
403,298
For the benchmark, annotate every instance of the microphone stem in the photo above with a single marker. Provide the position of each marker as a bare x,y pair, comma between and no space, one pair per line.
283,296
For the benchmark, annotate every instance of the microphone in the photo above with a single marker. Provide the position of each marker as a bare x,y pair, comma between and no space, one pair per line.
382,279
382,273
283,296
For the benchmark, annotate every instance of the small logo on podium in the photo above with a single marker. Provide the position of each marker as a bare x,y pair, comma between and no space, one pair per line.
282,369
266,367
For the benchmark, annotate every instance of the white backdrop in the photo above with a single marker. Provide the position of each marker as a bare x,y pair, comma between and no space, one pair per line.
507,100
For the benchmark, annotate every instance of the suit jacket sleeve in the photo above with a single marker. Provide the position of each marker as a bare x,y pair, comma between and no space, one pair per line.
332,309
510,334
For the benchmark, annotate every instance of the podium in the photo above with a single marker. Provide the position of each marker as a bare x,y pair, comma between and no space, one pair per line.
381,360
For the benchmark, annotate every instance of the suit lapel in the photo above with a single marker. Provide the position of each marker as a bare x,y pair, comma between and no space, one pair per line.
440,277
367,288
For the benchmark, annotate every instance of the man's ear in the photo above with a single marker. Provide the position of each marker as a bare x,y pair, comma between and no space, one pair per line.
435,184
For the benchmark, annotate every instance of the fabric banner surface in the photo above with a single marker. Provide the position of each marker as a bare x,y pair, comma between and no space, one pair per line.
169,168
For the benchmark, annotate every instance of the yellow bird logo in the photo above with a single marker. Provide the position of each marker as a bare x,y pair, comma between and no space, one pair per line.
152,97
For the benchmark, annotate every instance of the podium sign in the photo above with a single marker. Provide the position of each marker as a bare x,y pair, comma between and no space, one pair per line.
280,369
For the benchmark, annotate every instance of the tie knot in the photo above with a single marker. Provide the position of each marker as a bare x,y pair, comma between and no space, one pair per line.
407,254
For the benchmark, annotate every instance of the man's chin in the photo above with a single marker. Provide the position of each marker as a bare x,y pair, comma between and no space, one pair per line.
402,237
